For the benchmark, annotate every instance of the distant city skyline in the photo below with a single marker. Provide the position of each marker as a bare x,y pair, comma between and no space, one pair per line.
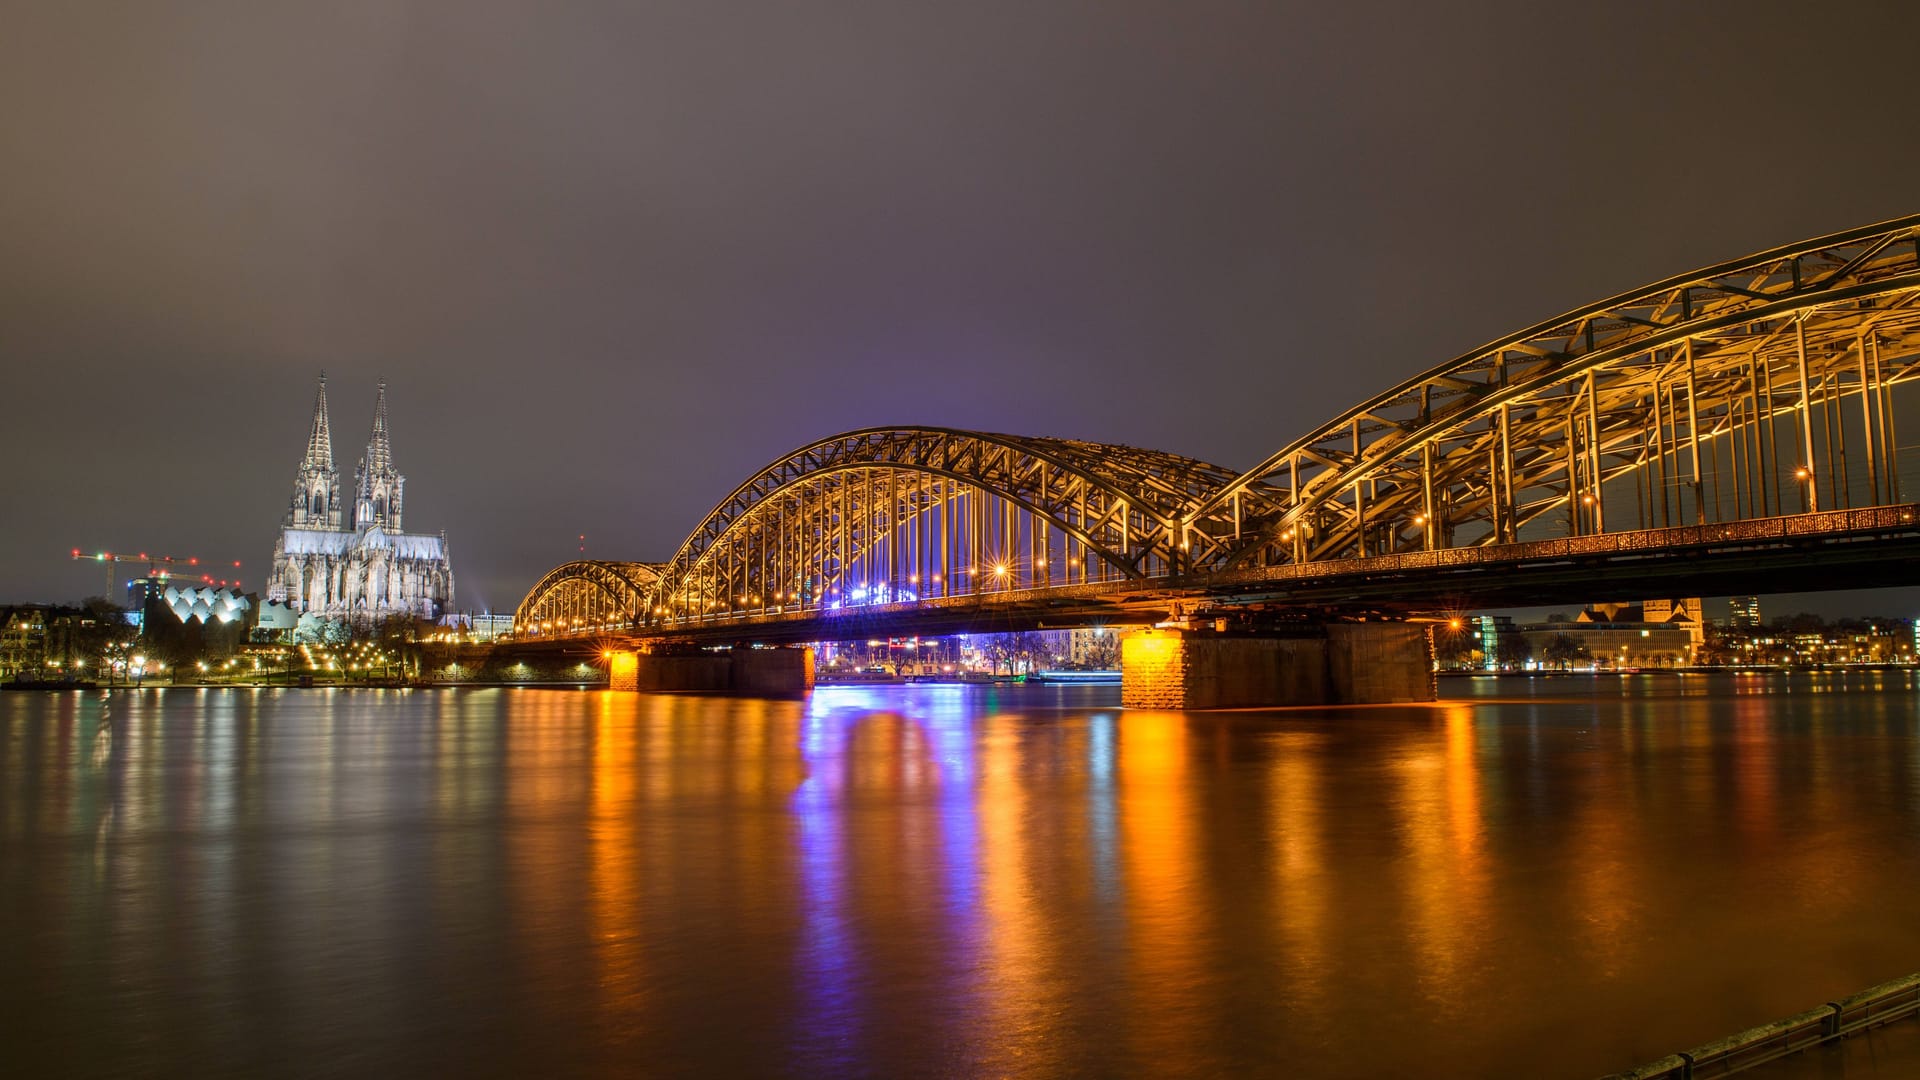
1838,604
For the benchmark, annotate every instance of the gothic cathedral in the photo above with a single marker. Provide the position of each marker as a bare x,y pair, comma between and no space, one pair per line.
353,562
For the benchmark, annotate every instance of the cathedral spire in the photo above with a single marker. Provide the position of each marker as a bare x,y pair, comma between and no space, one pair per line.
319,439
316,490
343,555
379,453
378,488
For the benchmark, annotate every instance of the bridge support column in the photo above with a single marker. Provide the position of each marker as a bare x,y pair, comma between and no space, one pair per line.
623,671
1332,664
1378,663
772,673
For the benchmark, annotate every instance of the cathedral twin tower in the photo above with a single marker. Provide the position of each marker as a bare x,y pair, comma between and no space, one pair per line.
354,562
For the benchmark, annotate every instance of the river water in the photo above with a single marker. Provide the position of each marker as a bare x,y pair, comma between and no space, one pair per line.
1541,877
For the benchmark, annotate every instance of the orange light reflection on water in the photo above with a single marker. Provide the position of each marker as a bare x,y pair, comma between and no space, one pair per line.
1013,997
613,876
1160,846
1446,876
1302,904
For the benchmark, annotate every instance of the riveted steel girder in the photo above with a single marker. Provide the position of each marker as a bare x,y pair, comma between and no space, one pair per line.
1757,388
588,595
890,511
1732,392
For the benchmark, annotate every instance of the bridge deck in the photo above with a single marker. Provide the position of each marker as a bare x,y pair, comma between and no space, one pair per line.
1803,552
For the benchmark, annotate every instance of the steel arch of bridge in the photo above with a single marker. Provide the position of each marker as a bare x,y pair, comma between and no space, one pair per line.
1731,393
1757,388
886,515
587,596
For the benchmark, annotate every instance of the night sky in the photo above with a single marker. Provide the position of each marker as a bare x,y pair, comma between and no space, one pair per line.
614,257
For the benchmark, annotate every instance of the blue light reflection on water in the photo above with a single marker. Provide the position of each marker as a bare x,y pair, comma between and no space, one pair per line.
832,972
829,970
944,880
1101,805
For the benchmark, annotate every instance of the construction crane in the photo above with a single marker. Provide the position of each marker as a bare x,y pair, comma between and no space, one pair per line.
161,566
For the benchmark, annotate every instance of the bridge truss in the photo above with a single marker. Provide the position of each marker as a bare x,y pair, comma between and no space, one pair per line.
897,515
588,596
1755,389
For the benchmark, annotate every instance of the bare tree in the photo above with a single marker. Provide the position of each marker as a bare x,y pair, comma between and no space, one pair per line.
1562,650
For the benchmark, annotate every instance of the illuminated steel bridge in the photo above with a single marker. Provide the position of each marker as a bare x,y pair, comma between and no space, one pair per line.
1732,429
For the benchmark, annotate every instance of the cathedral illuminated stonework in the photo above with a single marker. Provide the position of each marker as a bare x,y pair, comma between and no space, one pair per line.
353,562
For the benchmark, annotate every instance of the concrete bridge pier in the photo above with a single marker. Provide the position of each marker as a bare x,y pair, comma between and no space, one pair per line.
1330,664
741,671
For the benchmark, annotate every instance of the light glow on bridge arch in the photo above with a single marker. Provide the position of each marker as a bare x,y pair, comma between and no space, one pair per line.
1750,391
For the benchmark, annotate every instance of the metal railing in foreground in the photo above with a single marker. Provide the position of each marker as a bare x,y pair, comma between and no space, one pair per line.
1876,1005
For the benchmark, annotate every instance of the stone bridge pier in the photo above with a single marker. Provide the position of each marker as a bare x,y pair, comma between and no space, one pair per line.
1331,664
741,671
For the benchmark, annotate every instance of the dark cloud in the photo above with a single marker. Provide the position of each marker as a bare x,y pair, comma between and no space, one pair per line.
613,257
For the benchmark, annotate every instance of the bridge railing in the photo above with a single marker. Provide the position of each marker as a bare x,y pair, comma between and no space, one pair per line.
1758,530
1723,535
1896,999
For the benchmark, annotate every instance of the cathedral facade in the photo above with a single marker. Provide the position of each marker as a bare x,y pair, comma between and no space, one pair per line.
351,560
